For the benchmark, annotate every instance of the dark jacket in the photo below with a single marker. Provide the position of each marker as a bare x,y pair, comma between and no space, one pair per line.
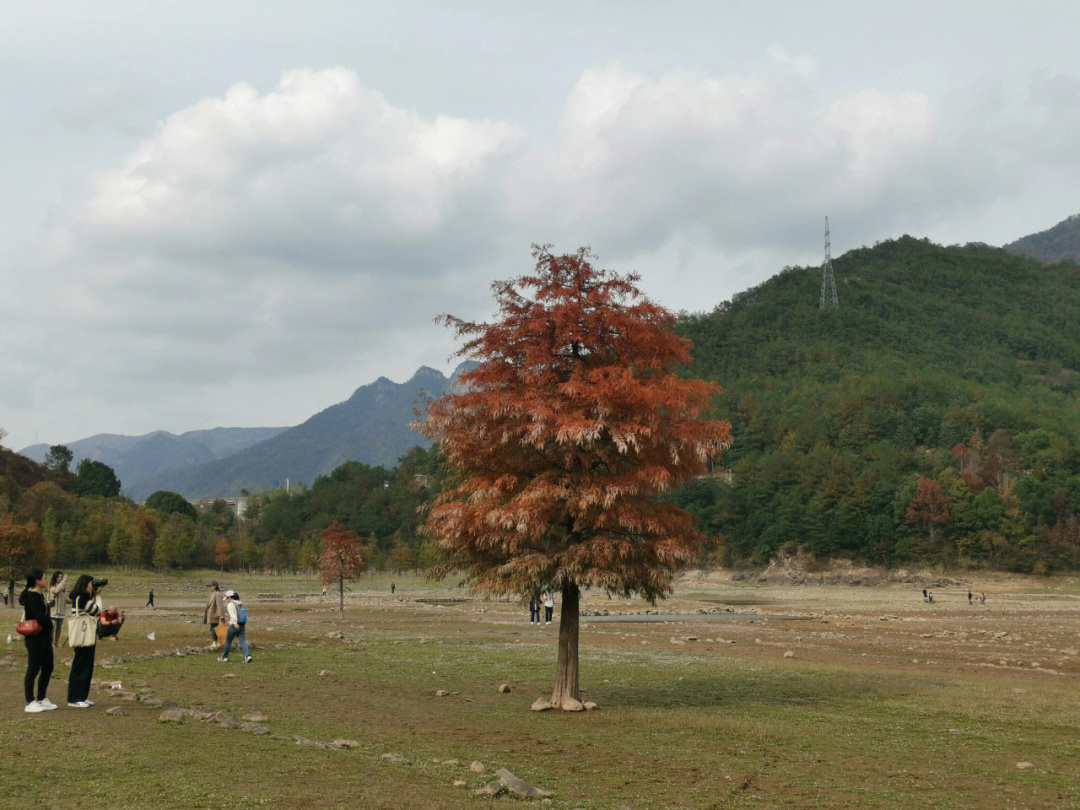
35,607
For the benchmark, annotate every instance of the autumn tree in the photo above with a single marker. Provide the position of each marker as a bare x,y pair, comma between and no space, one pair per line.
340,559
929,508
222,553
21,548
560,439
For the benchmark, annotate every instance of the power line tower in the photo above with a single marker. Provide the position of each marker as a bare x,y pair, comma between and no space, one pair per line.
828,281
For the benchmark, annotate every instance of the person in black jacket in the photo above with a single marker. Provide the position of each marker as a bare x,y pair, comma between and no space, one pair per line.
83,600
39,651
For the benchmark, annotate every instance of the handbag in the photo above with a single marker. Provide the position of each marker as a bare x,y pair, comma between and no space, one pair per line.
28,627
82,629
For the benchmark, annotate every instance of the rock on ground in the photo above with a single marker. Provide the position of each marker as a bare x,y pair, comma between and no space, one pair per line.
256,717
476,766
115,711
571,705
340,743
510,783
504,688
171,716
392,757
540,705
327,673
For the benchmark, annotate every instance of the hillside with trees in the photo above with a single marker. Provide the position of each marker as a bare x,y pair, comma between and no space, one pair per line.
933,417
1058,244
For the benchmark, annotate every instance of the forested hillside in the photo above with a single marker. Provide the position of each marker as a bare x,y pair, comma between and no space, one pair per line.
934,416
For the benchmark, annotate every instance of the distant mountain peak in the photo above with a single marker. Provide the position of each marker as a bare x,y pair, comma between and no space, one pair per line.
1056,244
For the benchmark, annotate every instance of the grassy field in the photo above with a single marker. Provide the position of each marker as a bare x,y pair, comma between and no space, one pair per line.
882,702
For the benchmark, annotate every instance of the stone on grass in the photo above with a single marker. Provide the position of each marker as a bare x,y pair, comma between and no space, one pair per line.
476,766
572,705
309,743
340,743
590,705
391,757
255,728
335,634
519,788
441,693
256,717
1023,766
115,711
540,705
789,654
170,716
504,688
491,789
327,673
226,720
459,783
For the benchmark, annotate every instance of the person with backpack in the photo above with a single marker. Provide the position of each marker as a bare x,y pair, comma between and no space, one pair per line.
237,618
82,638
36,630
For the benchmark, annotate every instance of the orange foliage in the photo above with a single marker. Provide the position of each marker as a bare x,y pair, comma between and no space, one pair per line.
340,558
562,436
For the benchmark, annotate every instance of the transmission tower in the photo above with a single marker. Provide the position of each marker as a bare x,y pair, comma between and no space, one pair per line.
828,281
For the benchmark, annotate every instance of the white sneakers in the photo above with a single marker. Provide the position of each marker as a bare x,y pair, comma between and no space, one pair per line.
82,704
247,660
35,706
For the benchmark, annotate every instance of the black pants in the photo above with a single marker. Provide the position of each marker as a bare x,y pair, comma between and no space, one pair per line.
82,670
58,622
39,665
547,613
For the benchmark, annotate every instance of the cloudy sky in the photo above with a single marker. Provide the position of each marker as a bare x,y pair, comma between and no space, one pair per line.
236,213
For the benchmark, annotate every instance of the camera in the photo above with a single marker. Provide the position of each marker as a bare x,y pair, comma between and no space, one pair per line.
100,583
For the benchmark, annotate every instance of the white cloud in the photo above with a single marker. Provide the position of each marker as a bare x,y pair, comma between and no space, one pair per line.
800,65
273,247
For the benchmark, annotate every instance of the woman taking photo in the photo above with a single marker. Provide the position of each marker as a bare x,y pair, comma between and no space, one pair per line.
39,651
82,636
58,601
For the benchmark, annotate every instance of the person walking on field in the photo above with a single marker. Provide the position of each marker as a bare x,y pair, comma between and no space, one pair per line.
237,625
534,609
214,612
39,651
58,600
150,600
970,598
82,636
549,606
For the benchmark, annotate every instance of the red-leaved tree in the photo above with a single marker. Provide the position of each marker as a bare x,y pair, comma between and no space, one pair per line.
22,547
929,508
222,553
560,439
340,559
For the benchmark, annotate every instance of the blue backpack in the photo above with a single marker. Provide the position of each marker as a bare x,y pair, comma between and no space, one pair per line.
241,614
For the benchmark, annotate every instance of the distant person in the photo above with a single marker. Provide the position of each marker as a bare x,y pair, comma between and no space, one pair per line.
150,600
58,601
924,594
84,611
930,596
534,609
393,588
39,651
549,606
237,616
970,598
214,612
982,599
323,591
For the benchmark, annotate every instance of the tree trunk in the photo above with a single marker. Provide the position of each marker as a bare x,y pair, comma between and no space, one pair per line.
341,598
566,671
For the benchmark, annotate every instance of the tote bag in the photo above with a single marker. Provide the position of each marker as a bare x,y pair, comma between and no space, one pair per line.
82,630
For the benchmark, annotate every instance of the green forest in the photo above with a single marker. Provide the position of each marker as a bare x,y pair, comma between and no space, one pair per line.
933,418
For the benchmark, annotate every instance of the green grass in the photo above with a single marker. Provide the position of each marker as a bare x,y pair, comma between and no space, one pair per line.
676,728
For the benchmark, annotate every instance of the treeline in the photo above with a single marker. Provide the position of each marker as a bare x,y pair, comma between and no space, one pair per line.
278,532
951,372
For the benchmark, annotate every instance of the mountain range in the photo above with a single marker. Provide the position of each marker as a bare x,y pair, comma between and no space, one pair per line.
371,426
1060,243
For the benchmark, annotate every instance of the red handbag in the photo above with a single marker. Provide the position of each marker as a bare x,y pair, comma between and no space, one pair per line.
28,627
